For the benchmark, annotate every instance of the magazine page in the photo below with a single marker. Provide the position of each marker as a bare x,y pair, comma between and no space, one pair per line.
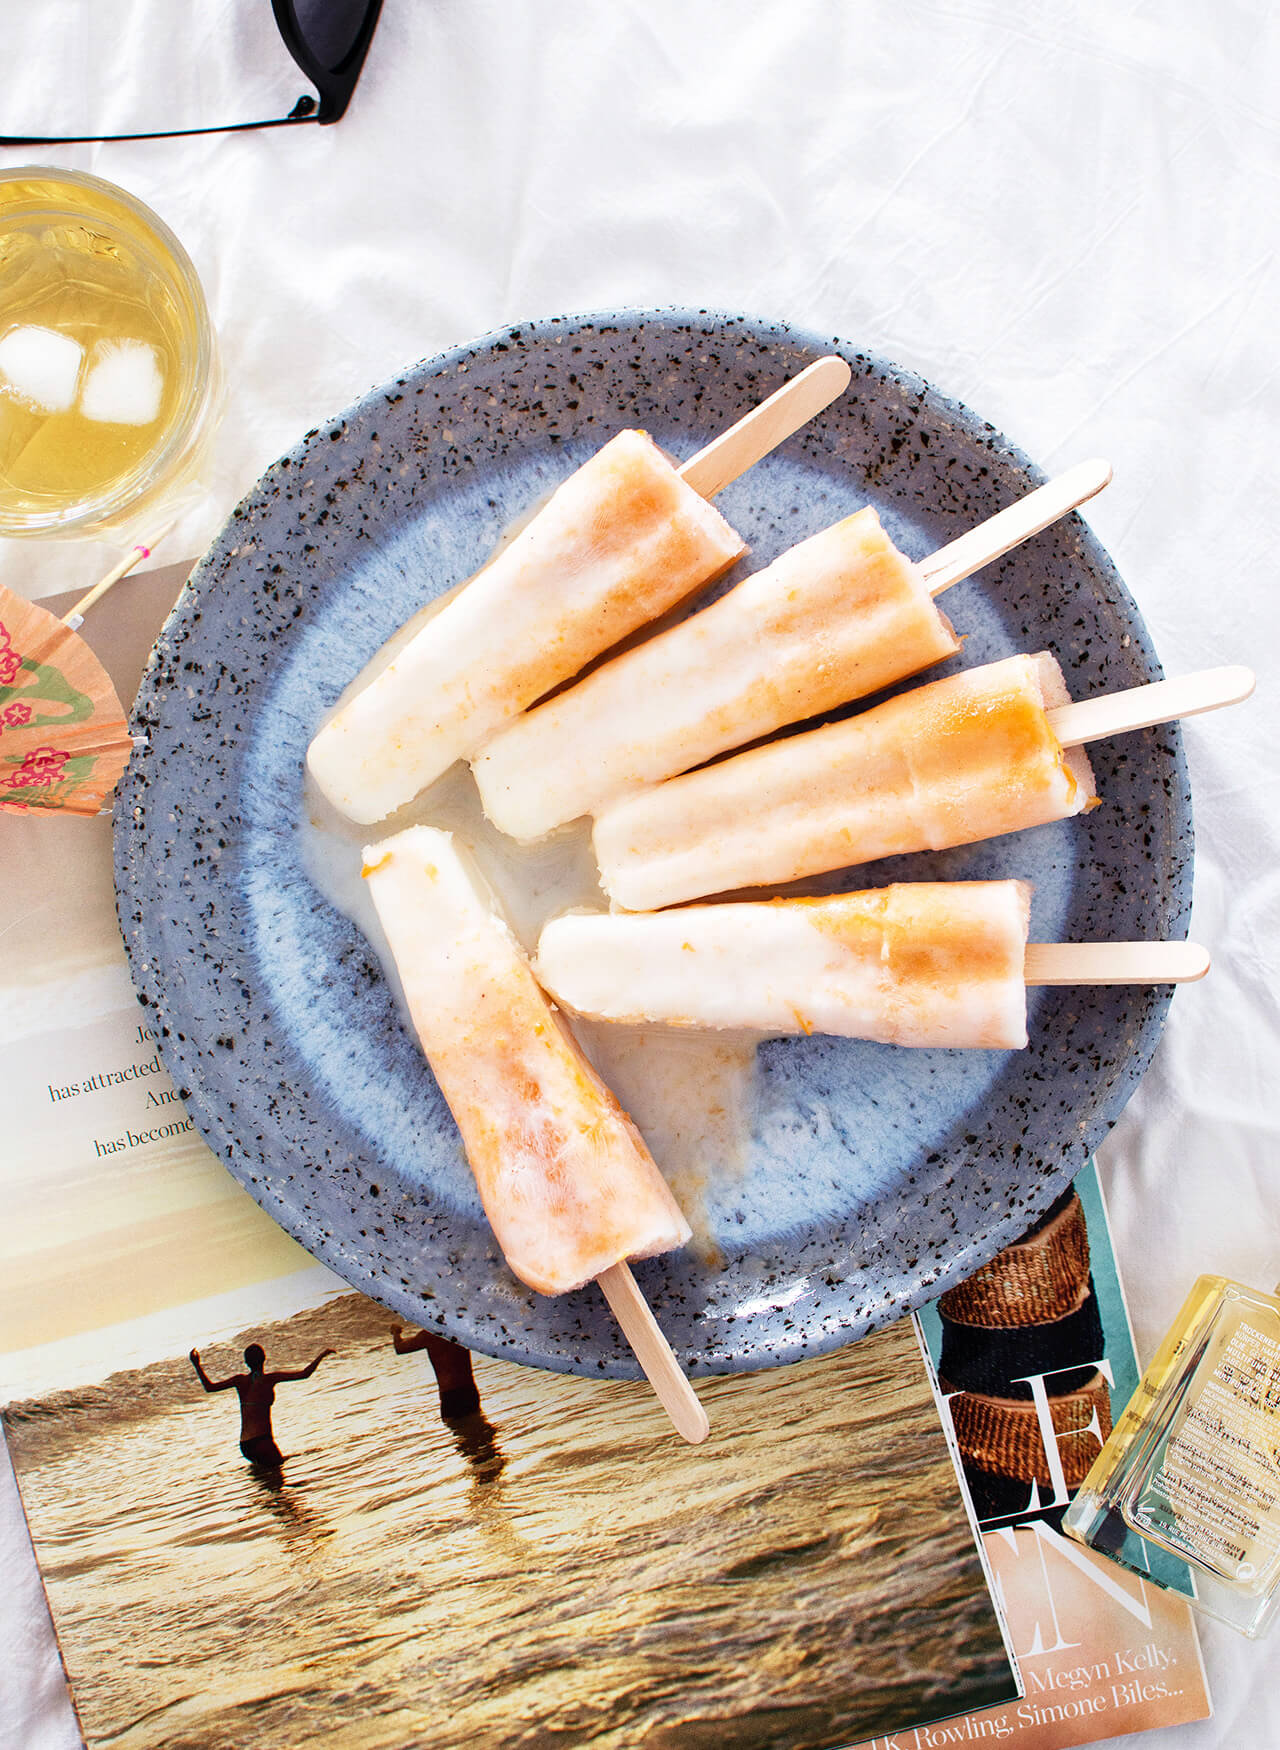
266,1515
1035,1358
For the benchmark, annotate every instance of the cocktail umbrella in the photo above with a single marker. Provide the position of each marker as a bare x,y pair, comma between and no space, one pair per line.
64,741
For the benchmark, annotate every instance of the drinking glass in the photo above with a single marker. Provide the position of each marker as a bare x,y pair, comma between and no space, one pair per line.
109,385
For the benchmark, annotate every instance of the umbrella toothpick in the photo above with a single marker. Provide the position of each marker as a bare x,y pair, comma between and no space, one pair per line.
136,554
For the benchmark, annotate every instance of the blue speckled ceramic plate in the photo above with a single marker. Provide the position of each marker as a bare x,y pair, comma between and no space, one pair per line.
876,1176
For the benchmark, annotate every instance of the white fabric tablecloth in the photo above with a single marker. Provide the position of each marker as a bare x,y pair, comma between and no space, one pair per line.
1063,214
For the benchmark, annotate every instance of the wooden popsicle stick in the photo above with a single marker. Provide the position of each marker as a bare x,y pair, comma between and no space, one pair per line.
1008,528
1114,963
133,557
1142,707
766,426
653,1352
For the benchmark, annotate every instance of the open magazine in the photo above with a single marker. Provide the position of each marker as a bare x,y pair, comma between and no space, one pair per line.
265,1517
1033,1357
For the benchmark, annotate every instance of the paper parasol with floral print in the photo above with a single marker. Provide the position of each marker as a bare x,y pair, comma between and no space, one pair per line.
64,741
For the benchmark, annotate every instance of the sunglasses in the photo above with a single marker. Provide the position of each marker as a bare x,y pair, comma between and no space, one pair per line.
328,40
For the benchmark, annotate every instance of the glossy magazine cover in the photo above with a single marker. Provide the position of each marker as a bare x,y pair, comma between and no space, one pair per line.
1034,1360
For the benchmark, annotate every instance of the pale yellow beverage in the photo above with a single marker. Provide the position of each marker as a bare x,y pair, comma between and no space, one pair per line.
107,373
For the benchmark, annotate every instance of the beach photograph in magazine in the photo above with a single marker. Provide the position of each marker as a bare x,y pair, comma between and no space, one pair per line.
1035,1361
325,1523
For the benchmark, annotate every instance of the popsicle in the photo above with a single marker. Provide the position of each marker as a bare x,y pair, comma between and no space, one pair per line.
992,750
566,1181
948,763
838,617
624,539
941,963
924,963
620,542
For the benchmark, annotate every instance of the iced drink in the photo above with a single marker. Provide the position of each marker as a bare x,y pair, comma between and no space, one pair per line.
107,376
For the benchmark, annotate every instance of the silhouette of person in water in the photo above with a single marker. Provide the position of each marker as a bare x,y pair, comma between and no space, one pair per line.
256,1391
473,1433
452,1364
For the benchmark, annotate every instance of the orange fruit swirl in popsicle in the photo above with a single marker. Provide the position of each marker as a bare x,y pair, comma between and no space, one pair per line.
565,1179
620,542
919,963
837,617
958,760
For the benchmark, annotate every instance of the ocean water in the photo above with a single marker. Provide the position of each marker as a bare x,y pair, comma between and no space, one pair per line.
559,1571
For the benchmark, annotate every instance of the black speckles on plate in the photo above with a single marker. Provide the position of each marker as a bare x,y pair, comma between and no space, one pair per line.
877,1177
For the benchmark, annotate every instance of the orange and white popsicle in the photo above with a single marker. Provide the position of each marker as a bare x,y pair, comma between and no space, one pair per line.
837,617
840,616
919,963
926,963
566,1181
949,763
619,543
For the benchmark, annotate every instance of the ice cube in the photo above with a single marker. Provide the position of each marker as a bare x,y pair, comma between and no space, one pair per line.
41,367
124,383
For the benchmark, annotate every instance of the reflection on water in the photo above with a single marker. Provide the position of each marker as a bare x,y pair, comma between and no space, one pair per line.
477,1440
557,1568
